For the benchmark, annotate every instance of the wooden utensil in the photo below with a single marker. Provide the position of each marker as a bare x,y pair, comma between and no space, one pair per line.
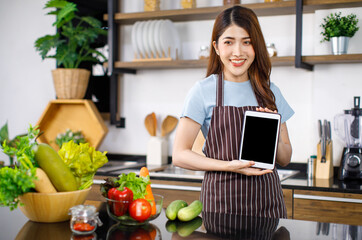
151,123
168,125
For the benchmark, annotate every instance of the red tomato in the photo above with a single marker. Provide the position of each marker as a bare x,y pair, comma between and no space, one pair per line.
140,234
140,209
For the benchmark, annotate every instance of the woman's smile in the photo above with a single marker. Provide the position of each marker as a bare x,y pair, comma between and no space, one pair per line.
237,62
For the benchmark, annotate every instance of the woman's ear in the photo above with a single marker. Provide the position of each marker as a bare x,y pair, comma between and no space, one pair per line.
214,44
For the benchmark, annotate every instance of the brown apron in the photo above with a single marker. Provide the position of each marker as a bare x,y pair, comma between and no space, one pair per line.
229,192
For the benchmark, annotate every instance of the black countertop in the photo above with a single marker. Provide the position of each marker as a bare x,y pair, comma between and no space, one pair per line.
14,225
299,181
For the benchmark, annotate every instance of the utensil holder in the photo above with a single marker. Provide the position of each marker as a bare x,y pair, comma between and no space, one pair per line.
157,151
324,170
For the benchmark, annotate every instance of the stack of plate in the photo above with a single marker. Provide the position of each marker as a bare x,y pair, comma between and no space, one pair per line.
155,39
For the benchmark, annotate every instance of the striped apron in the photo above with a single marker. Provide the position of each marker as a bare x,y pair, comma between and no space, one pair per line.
229,192
236,226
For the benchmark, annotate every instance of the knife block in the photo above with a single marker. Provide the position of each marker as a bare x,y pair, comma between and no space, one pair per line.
324,170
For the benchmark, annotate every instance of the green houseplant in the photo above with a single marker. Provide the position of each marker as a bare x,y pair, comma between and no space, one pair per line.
338,29
71,45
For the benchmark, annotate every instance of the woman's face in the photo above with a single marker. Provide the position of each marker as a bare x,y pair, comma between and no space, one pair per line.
236,53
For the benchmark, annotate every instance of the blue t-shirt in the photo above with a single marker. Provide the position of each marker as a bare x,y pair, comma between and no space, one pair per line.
201,99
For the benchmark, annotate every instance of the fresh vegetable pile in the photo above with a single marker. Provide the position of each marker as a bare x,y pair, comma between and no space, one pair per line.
130,197
39,168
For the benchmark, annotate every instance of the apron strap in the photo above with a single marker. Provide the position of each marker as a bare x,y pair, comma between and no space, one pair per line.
220,91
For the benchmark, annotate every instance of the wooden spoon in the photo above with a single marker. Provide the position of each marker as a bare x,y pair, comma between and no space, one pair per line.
151,123
168,125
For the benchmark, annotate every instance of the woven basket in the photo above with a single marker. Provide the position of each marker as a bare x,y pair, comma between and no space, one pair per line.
70,83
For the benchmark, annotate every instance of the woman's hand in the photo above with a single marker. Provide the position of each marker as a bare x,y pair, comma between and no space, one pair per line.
244,167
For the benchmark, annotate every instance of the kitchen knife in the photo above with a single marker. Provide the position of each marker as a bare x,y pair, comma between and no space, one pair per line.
329,131
320,129
323,144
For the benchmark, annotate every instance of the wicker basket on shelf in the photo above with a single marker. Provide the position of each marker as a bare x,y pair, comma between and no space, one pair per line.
70,83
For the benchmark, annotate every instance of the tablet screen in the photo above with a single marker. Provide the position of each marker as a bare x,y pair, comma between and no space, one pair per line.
259,141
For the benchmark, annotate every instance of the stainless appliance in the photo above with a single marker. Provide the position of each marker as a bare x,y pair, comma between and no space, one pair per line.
348,127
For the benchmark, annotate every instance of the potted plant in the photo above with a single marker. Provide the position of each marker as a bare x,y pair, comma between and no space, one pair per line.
339,30
70,46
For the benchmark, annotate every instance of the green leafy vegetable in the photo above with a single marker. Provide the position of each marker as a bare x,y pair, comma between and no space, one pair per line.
83,160
136,184
13,183
4,136
77,137
20,179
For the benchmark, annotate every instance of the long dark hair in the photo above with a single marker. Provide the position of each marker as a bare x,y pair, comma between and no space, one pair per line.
259,71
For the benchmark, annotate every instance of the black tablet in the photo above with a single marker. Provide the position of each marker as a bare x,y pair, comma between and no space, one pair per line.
259,140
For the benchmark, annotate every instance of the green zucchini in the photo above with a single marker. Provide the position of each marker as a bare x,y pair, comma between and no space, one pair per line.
190,212
171,226
58,173
174,207
184,229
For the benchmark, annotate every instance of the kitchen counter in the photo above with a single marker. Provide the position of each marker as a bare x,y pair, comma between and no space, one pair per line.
292,177
14,225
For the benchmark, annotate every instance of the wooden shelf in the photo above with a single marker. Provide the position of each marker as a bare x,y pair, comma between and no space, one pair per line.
276,61
73,114
330,59
209,13
311,6
206,13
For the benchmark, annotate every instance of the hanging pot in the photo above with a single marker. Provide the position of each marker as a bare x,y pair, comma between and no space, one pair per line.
339,45
70,83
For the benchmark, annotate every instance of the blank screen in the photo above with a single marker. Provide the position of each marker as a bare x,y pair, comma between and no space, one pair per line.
259,139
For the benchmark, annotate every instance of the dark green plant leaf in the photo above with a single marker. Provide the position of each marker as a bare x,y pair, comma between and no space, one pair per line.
4,133
73,43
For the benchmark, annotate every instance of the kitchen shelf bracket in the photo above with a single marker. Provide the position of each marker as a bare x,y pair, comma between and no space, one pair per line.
112,7
298,45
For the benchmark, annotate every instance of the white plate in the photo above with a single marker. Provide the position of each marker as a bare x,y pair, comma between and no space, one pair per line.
151,40
134,39
139,36
146,45
156,37
169,38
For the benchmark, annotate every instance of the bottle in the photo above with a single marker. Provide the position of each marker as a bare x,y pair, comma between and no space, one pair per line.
84,220
204,52
229,2
311,168
271,49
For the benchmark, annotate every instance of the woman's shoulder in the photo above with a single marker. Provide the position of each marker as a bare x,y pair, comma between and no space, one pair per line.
204,86
208,81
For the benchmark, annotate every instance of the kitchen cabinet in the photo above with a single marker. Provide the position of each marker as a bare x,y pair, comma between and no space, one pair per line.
288,199
298,7
329,207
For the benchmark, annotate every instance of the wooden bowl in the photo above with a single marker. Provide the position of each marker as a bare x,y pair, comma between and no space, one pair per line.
51,207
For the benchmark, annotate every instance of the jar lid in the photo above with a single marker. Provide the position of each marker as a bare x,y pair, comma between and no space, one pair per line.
83,211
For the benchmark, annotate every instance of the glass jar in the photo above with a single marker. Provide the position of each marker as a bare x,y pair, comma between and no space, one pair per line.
229,2
84,219
271,50
204,52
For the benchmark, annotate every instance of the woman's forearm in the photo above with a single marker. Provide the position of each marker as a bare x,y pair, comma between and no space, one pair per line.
284,151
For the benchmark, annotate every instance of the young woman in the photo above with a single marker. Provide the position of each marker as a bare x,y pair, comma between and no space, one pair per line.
238,79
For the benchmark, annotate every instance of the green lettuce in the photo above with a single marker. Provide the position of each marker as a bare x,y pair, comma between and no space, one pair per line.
83,160
136,184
